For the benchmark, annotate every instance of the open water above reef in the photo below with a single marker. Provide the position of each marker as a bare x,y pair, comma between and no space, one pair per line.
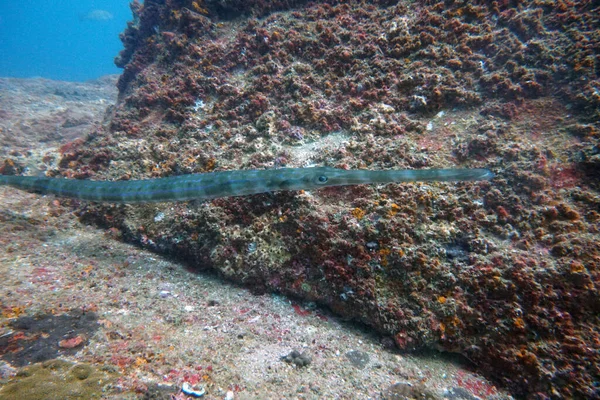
69,40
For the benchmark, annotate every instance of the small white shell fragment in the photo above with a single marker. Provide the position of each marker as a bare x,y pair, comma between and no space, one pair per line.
190,391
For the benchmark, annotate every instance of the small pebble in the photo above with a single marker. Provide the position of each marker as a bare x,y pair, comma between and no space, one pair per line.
359,359
297,358
192,391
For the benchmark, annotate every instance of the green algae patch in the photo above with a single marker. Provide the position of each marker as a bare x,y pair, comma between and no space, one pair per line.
58,379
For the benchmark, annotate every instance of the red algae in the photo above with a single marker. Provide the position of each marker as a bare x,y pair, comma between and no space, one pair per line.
71,343
504,273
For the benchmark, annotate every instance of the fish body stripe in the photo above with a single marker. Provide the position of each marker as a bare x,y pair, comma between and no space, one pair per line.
229,183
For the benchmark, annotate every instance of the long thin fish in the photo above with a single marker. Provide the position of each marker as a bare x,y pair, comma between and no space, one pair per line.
229,183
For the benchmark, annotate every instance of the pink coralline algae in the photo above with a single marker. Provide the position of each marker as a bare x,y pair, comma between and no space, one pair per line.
505,272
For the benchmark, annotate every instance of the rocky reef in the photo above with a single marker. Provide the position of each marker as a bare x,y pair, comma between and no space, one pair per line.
504,272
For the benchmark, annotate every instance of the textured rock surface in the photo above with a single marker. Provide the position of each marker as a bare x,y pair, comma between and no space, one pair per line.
62,111
504,272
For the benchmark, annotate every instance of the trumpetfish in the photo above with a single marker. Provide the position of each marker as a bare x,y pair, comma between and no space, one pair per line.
211,185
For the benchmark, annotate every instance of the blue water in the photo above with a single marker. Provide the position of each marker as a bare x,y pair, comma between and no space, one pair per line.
60,39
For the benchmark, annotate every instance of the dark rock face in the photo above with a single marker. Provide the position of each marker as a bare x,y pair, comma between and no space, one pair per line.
504,272
46,337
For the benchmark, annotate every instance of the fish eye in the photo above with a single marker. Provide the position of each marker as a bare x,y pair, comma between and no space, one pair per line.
322,179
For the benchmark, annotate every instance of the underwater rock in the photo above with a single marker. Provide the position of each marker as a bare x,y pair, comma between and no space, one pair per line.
44,337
